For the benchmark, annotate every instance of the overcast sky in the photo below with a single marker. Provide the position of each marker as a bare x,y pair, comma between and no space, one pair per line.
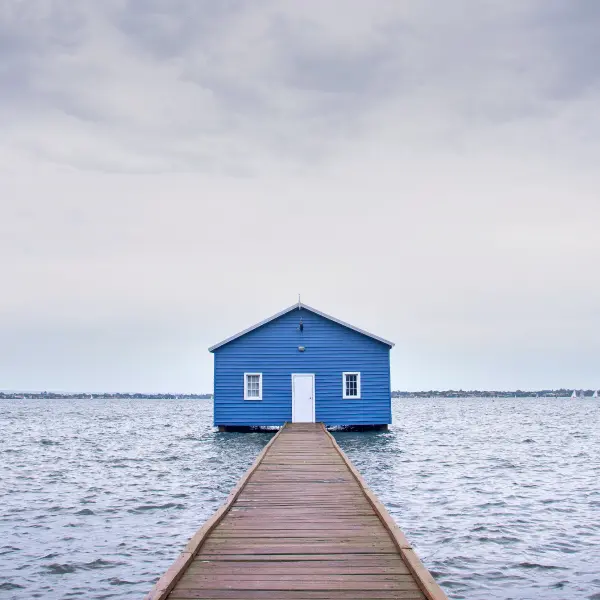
172,171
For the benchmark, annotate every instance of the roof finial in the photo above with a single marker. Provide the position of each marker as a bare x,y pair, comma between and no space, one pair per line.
299,303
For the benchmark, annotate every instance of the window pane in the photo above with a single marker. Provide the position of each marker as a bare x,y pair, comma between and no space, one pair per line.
351,385
253,386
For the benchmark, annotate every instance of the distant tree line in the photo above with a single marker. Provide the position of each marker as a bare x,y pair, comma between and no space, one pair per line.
561,393
100,396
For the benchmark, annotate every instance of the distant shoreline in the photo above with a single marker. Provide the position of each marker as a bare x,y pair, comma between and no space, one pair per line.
101,396
561,393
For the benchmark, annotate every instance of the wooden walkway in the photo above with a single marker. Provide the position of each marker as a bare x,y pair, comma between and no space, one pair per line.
301,524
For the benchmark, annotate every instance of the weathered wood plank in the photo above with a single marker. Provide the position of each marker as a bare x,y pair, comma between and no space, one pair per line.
298,580
300,568
339,583
340,557
224,594
300,549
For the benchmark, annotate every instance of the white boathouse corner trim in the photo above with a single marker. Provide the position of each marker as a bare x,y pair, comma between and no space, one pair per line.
300,306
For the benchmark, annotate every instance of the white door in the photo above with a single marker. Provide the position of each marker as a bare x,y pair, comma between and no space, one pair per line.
303,398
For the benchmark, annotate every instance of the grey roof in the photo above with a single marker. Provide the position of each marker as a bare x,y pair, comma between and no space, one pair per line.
298,306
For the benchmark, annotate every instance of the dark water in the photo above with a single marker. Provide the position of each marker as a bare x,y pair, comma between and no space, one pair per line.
501,498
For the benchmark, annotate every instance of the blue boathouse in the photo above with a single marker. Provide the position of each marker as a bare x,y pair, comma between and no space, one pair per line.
302,365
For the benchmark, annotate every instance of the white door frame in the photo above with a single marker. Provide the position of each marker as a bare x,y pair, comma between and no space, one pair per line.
313,395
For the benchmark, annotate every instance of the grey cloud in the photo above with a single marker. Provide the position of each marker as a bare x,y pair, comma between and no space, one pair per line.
277,78
32,33
168,29
570,30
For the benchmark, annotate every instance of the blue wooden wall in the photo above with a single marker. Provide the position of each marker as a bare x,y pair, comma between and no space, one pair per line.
331,349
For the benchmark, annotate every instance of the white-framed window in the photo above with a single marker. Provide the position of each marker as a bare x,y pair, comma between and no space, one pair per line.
351,385
252,386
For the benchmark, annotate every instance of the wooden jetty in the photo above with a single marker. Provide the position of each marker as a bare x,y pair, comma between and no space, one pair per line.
301,524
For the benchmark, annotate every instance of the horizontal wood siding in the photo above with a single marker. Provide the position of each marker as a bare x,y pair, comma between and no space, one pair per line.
273,351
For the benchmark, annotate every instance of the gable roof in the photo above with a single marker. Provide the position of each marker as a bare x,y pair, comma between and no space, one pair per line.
298,306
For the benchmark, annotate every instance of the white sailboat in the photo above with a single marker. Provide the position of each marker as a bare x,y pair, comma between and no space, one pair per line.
574,395
595,394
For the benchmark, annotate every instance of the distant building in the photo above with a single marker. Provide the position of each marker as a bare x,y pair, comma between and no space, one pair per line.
302,365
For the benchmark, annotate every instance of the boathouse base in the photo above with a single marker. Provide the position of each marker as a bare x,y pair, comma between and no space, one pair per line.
245,428
249,428
379,427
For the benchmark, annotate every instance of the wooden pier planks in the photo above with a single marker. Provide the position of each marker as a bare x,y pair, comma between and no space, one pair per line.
300,525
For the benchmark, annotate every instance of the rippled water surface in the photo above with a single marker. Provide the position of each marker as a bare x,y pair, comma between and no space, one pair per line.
501,498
